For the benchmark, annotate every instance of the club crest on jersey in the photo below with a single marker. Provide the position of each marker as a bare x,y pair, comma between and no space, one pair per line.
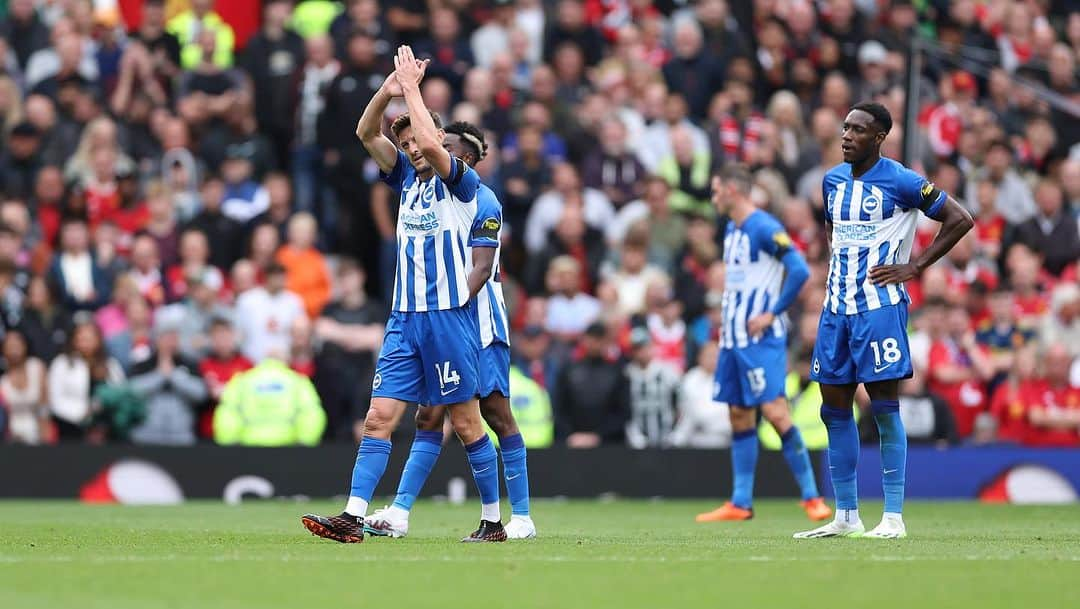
871,203
376,382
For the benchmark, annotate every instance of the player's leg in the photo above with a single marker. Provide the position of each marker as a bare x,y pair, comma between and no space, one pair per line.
451,357
778,414
393,521
398,380
484,462
348,527
495,408
729,386
834,369
880,346
885,406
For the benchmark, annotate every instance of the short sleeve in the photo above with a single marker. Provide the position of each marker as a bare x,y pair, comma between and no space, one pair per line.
463,180
916,192
488,222
396,178
773,239
825,198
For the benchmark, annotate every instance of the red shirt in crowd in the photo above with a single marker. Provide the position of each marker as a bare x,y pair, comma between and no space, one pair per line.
1046,397
1010,409
966,399
216,373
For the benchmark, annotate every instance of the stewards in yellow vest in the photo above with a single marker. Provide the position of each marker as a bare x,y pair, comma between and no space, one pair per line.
269,405
189,24
532,410
805,404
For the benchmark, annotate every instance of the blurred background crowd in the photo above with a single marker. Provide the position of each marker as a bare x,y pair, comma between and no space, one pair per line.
195,247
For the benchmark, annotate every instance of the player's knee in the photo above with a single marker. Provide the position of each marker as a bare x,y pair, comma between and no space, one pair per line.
381,419
495,410
742,419
466,421
777,414
429,419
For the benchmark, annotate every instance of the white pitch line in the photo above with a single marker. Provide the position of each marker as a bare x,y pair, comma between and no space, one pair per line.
140,558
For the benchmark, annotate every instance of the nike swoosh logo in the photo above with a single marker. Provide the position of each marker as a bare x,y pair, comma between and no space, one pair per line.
877,370
480,471
446,393
888,471
514,477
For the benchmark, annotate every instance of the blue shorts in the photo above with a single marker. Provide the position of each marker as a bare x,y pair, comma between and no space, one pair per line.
862,348
431,358
495,370
751,375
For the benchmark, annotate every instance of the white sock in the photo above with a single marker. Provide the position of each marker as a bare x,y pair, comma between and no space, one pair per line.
521,517
490,512
848,517
356,506
396,513
893,516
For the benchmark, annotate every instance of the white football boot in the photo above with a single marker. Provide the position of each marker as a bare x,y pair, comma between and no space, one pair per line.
520,527
387,522
891,527
845,524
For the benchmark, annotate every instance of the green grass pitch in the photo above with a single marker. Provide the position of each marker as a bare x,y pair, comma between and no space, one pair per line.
620,554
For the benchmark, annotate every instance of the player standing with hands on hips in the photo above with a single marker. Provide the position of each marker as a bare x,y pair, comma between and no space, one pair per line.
763,276
430,352
871,206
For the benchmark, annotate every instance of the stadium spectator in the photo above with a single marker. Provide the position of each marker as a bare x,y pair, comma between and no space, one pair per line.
569,309
222,363
653,387
613,169
1062,324
1009,404
22,392
72,379
269,405
957,365
220,230
197,311
591,395
1001,335
188,27
533,355
1014,199
1054,417
305,267
702,422
567,191
271,58
1052,232
634,274
82,283
265,316
350,331
169,385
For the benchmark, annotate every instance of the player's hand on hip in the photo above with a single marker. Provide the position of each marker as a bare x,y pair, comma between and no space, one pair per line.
759,323
887,274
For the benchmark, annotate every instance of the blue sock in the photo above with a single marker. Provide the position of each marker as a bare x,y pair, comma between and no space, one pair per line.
843,455
798,459
485,468
893,452
516,473
425,451
744,452
371,460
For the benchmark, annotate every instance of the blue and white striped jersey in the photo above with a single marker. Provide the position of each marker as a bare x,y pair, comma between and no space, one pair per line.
753,275
873,223
490,305
434,221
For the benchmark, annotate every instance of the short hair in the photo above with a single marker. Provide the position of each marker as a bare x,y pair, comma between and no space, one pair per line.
879,112
404,121
349,265
935,302
471,134
740,176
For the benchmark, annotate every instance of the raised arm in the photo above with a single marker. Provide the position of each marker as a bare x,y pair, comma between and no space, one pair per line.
410,72
369,129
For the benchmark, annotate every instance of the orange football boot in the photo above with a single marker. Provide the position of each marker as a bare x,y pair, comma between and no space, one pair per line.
728,511
816,509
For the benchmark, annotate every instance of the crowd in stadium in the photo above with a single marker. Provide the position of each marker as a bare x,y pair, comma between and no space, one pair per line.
179,206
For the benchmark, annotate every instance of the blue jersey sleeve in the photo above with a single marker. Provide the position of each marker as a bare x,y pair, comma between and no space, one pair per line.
773,239
463,180
488,222
916,192
825,188
396,178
